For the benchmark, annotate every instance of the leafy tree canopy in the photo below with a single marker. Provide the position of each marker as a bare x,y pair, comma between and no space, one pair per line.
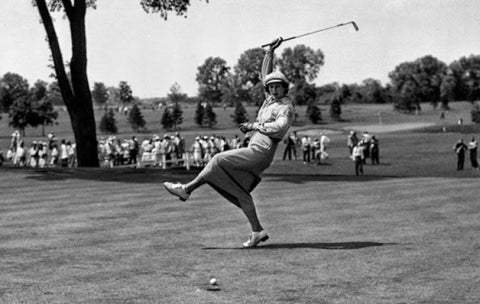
301,63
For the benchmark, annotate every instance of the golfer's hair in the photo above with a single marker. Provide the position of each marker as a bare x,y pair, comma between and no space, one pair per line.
284,84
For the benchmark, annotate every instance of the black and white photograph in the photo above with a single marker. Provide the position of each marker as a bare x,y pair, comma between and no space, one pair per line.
239,151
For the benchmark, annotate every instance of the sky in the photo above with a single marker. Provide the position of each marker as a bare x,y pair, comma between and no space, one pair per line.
126,44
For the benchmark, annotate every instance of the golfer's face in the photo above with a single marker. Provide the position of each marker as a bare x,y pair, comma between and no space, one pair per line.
276,90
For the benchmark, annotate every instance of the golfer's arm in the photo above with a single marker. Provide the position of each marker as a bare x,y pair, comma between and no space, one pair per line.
267,65
275,129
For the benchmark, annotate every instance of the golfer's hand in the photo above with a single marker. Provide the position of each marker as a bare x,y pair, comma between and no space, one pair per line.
276,43
247,127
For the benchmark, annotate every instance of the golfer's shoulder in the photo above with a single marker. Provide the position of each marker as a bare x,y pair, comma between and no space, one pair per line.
286,104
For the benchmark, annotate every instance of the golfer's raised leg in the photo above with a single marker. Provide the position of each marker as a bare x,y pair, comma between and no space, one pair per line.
177,189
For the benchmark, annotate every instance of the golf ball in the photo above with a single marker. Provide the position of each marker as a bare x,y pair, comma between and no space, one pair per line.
213,281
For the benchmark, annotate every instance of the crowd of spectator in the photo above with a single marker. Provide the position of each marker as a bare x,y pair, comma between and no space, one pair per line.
361,149
314,150
156,150
40,154
172,150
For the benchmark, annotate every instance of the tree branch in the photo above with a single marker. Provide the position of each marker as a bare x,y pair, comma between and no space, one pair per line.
67,4
63,82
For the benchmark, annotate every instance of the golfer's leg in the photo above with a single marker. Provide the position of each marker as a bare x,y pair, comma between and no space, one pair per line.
248,208
194,184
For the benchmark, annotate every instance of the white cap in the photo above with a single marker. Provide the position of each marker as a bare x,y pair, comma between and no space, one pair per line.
275,77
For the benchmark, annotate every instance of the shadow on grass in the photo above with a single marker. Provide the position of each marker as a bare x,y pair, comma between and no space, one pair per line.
302,178
327,246
156,175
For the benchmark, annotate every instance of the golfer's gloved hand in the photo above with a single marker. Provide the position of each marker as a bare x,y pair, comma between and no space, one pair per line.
276,43
248,126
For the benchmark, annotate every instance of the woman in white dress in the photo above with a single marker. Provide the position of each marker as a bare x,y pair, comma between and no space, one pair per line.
235,173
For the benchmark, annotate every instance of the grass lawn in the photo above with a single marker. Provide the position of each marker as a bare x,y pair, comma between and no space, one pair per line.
406,232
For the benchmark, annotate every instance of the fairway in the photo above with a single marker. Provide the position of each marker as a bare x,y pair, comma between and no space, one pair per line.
405,232
115,236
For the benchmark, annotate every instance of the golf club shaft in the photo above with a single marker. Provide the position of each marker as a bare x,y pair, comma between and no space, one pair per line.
317,31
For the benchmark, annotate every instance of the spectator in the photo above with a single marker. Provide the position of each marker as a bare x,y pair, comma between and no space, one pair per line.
472,147
71,148
296,143
352,141
357,156
324,140
42,154
33,155
374,151
197,152
134,148
63,154
20,158
316,149
306,149
460,149
54,155
289,146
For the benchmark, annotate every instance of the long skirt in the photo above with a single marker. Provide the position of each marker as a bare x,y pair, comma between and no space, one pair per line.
235,173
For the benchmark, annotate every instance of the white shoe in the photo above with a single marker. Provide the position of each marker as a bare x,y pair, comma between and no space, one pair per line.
177,190
255,238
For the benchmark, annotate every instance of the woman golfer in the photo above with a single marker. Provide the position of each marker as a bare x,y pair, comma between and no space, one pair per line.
235,173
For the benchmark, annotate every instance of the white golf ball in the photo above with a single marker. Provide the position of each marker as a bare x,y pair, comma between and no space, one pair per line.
213,281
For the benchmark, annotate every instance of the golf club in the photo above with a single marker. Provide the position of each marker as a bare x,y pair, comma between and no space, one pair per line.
320,30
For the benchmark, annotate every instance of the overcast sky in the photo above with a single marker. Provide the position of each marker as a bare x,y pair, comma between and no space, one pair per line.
125,43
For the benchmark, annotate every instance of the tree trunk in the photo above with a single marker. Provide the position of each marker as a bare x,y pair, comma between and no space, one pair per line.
77,96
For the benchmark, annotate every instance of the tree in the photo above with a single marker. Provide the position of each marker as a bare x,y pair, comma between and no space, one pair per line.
240,114
135,118
76,94
303,93
429,77
46,114
209,118
167,120
373,92
210,77
41,106
108,123
420,80
21,114
113,96
475,113
126,96
54,95
257,94
447,89
177,115
467,74
407,100
405,89
33,109
176,97
336,106
12,87
301,63
100,93
314,113
248,67
199,113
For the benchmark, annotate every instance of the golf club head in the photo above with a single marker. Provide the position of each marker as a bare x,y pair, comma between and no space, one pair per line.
355,25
